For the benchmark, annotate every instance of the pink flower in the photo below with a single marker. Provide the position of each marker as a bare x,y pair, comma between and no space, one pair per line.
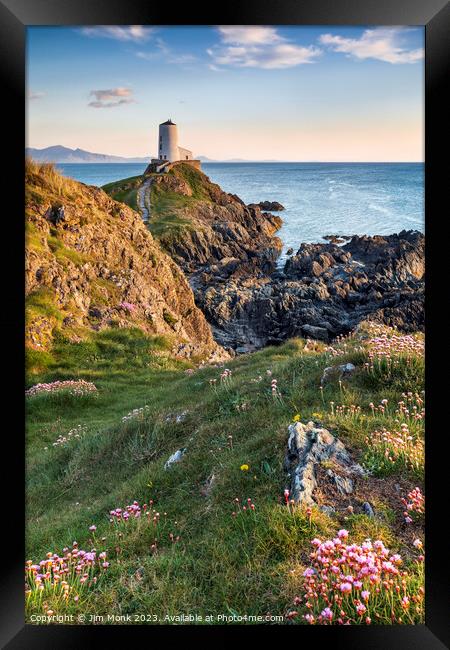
92,528
343,534
345,587
365,595
327,613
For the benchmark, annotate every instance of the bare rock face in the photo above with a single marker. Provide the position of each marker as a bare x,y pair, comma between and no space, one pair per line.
309,446
324,291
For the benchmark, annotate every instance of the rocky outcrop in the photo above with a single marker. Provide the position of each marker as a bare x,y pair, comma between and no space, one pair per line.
324,291
269,206
310,447
92,264
230,251
199,224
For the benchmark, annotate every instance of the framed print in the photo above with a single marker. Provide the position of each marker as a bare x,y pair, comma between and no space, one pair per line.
228,217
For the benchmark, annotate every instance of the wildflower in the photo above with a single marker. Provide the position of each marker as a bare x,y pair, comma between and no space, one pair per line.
343,534
92,528
345,587
244,468
296,418
77,387
327,613
417,543
286,496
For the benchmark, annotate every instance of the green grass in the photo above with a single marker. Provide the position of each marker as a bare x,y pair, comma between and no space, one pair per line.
250,564
125,190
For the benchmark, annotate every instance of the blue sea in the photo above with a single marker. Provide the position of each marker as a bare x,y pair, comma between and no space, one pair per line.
320,198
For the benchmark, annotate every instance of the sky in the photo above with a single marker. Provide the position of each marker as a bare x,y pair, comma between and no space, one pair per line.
290,93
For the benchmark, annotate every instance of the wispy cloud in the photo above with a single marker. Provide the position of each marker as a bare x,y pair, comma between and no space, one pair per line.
121,33
163,51
35,95
258,47
111,97
382,43
252,35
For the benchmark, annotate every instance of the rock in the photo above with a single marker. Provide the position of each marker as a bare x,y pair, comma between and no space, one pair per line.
325,292
174,458
328,510
343,483
319,333
337,372
270,206
368,510
55,214
309,446
289,251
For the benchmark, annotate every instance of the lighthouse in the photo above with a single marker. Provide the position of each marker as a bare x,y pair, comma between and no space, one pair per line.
169,151
168,148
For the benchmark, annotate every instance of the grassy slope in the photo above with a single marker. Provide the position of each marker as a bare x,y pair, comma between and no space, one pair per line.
125,191
249,565
168,208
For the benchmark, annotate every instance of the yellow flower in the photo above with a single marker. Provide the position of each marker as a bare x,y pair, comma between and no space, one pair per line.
244,468
296,418
317,415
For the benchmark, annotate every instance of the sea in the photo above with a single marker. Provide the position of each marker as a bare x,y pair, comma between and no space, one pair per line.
319,198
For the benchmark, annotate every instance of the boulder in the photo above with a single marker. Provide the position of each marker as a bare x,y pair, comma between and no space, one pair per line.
308,446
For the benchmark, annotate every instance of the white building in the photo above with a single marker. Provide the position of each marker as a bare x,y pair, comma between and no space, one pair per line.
168,148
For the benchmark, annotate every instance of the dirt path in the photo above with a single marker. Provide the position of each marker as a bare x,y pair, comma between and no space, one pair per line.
143,205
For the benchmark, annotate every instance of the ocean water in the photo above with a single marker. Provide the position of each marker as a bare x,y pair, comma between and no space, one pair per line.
319,198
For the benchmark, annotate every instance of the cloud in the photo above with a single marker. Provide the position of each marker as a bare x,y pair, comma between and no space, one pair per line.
120,33
164,51
253,35
35,95
258,47
111,97
382,43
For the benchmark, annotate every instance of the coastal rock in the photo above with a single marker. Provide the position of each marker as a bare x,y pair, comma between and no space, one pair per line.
212,225
308,447
270,206
324,291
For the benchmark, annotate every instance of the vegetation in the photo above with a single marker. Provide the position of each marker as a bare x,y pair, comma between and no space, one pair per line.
210,534
125,190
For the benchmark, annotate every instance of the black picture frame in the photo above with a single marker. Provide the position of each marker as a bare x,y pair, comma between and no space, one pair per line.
15,16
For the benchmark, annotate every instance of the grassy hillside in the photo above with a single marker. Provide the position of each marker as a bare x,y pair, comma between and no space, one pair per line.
196,556
125,190
91,265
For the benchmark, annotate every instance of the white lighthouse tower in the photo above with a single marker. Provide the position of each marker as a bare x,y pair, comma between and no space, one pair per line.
168,141
169,151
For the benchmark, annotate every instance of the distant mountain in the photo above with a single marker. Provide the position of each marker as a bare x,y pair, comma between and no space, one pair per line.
60,154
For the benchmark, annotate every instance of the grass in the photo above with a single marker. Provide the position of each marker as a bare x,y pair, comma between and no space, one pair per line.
248,564
125,191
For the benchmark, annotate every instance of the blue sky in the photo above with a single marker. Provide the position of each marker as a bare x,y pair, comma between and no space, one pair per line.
286,93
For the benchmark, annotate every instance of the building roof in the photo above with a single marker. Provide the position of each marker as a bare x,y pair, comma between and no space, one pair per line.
169,121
